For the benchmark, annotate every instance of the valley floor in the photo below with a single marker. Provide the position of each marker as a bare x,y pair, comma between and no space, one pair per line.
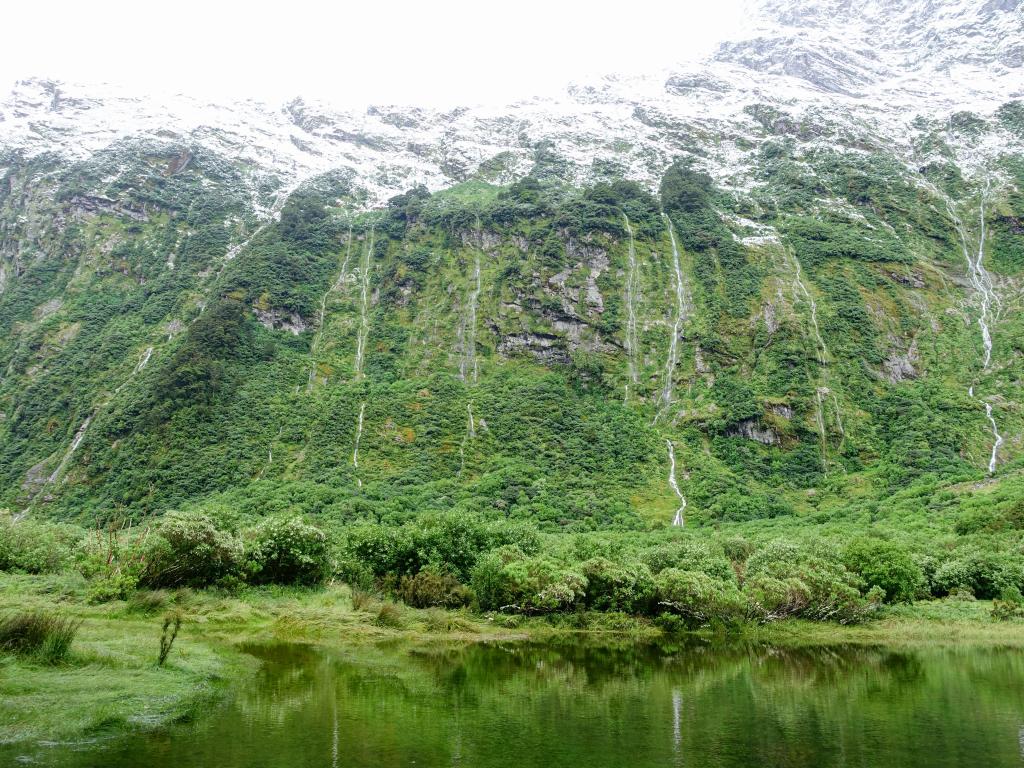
110,681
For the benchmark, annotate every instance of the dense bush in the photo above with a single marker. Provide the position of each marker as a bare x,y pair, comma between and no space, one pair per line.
36,547
613,587
698,598
433,588
986,573
508,580
887,566
287,550
188,550
785,579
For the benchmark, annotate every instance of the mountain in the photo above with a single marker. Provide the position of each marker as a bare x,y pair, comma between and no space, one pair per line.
786,280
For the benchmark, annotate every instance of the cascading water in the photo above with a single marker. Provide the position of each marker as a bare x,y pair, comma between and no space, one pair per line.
821,351
632,287
680,518
359,437
75,442
981,282
335,286
682,310
144,360
364,301
998,439
468,368
470,435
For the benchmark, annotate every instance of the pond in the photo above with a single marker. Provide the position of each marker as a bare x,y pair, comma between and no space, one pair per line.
590,705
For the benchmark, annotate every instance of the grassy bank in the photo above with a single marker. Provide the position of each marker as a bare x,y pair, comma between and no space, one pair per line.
110,680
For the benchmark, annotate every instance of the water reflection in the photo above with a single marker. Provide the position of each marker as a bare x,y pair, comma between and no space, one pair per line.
595,705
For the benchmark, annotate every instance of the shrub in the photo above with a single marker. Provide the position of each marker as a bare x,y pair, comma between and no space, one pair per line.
613,587
689,555
985,572
382,549
114,561
433,588
887,566
39,635
287,551
1010,605
699,599
36,547
188,550
168,634
505,579
361,599
785,579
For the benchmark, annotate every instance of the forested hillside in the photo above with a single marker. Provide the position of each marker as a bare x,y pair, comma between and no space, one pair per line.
582,355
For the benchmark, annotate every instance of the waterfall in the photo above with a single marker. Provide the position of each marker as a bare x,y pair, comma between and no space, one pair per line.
680,519
321,314
981,282
75,442
839,420
821,351
998,439
144,361
364,302
468,365
819,415
632,287
682,310
359,436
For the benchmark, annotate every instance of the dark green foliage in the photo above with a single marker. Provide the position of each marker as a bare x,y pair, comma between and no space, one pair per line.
787,579
699,599
188,550
887,566
433,588
34,546
986,573
287,550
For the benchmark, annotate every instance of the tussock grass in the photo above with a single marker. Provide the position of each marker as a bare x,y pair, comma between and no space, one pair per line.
43,636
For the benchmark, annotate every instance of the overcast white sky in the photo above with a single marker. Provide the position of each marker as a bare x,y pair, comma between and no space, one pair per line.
438,53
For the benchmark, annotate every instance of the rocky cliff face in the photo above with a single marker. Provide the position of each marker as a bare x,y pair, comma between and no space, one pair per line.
800,261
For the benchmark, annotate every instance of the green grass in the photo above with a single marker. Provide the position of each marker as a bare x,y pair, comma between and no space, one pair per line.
110,682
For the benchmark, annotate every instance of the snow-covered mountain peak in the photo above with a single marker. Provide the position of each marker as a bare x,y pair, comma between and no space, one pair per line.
867,69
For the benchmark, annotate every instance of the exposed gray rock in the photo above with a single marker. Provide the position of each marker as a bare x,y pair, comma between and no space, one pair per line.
276,320
752,429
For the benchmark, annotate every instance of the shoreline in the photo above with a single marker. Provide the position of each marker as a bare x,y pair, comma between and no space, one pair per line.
110,683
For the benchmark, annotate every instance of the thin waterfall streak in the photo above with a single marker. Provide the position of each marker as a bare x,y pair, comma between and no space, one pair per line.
998,439
821,351
75,442
632,280
672,359
839,419
364,300
981,282
321,315
470,435
679,520
359,437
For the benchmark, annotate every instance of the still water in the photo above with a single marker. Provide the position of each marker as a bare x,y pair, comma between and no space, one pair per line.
589,706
